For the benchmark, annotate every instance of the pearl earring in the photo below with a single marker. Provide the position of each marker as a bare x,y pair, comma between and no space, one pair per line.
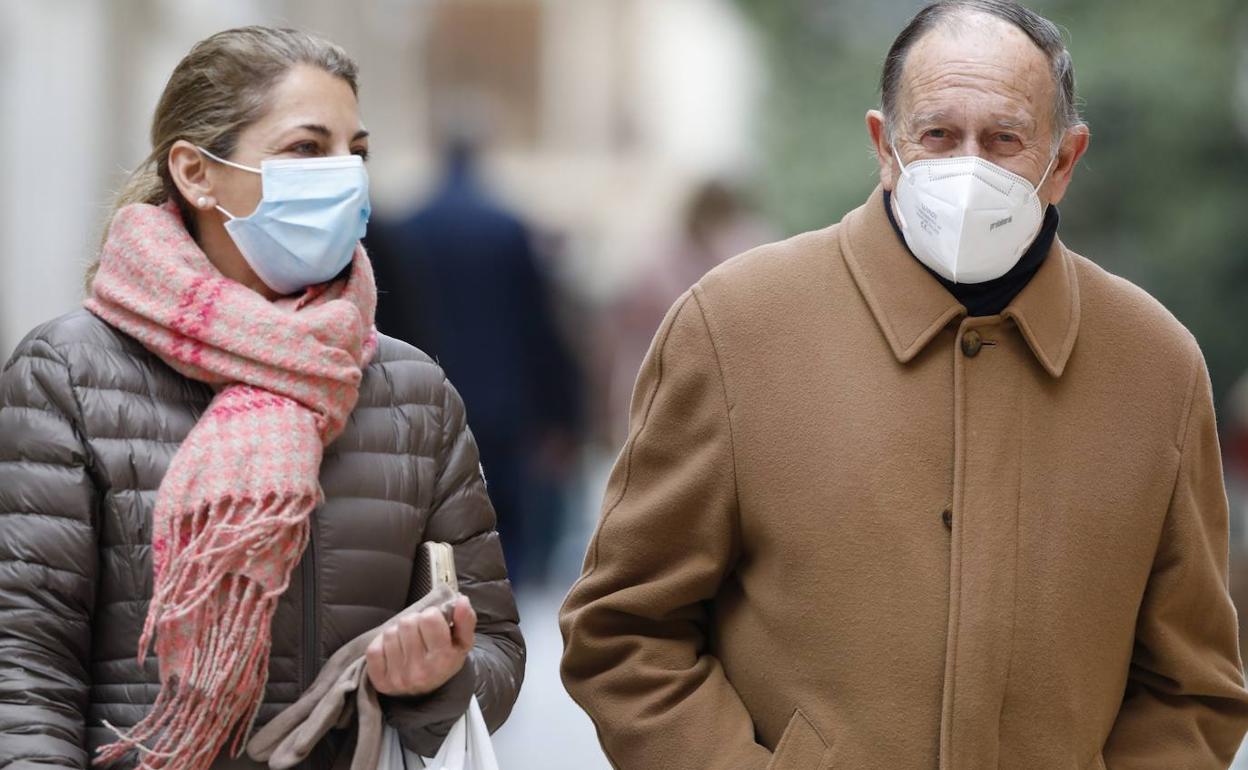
202,202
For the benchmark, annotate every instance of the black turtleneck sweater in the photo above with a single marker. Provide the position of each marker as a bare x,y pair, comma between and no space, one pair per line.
991,297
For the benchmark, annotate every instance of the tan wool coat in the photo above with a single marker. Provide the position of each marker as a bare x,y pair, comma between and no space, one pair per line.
854,529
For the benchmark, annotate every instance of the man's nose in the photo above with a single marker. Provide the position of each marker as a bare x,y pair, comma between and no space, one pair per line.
971,146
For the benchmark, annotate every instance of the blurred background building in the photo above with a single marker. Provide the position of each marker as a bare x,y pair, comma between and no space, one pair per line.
620,148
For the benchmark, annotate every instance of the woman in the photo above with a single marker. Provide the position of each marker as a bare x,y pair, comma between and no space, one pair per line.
220,459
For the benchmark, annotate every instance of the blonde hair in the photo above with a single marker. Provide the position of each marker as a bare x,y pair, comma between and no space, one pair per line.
218,89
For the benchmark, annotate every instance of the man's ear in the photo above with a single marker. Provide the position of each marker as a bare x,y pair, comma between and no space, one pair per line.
889,170
1074,145
189,170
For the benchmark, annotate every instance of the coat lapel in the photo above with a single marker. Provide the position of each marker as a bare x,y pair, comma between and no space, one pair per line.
911,308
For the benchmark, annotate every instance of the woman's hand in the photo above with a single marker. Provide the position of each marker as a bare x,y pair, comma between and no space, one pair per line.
417,654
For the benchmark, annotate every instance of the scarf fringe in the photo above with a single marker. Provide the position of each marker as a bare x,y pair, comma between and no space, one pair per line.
212,621
193,718
221,538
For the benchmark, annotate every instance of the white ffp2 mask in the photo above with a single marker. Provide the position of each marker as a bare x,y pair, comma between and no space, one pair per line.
967,219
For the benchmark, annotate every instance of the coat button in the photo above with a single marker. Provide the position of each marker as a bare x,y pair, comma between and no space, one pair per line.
947,517
971,343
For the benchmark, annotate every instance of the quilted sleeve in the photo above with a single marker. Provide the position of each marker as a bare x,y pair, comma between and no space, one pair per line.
462,516
47,564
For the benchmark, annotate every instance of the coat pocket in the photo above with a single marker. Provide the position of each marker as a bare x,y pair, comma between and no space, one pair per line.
800,747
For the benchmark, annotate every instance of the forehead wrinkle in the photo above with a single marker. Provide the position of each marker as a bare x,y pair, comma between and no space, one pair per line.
933,93
951,75
973,61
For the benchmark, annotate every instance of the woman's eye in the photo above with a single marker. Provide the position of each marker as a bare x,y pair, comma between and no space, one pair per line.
362,152
937,133
306,148
1006,138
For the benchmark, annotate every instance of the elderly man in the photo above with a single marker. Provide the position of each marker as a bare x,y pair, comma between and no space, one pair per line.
924,489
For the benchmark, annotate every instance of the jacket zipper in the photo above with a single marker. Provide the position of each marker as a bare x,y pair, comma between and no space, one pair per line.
310,657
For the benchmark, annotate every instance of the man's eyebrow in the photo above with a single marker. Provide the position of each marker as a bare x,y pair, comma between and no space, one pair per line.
928,118
1016,123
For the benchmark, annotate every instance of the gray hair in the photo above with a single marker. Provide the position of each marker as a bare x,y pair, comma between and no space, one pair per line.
1040,30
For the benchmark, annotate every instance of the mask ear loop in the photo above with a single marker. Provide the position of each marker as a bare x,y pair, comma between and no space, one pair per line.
901,219
239,166
898,157
1036,189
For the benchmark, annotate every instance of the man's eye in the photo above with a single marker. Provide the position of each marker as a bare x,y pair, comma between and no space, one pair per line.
363,153
937,133
1006,138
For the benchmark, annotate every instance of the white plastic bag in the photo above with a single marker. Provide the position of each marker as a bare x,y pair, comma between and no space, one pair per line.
467,747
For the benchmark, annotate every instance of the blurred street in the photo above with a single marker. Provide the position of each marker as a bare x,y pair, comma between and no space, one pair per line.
547,731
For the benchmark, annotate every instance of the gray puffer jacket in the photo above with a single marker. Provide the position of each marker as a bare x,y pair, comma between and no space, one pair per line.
89,421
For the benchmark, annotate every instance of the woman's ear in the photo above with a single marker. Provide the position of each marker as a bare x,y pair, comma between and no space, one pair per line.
190,172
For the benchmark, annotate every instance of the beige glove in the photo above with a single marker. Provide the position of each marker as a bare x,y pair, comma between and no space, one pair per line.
290,737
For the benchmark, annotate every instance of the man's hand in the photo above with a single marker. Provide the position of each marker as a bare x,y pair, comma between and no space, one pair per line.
419,653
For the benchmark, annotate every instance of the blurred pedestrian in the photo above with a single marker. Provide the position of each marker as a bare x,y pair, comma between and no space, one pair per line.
925,488
221,455
461,280
718,223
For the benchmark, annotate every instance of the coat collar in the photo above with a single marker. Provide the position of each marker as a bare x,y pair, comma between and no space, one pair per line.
911,308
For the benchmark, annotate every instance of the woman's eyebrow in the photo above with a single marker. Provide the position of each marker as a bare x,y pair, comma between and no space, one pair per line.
315,128
324,132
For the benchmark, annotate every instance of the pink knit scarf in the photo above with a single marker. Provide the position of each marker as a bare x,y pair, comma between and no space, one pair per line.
232,513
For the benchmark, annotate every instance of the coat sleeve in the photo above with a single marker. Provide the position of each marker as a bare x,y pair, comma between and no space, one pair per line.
462,516
636,624
48,562
1185,703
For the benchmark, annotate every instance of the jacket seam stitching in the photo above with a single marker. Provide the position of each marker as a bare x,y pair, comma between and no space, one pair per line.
153,398
36,409
1009,648
45,515
1190,401
444,430
1185,423
49,568
632,440
73,393
732,444
44,463
1181,446
77,426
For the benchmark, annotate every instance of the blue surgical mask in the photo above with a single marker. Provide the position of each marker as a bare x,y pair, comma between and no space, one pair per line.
312,213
